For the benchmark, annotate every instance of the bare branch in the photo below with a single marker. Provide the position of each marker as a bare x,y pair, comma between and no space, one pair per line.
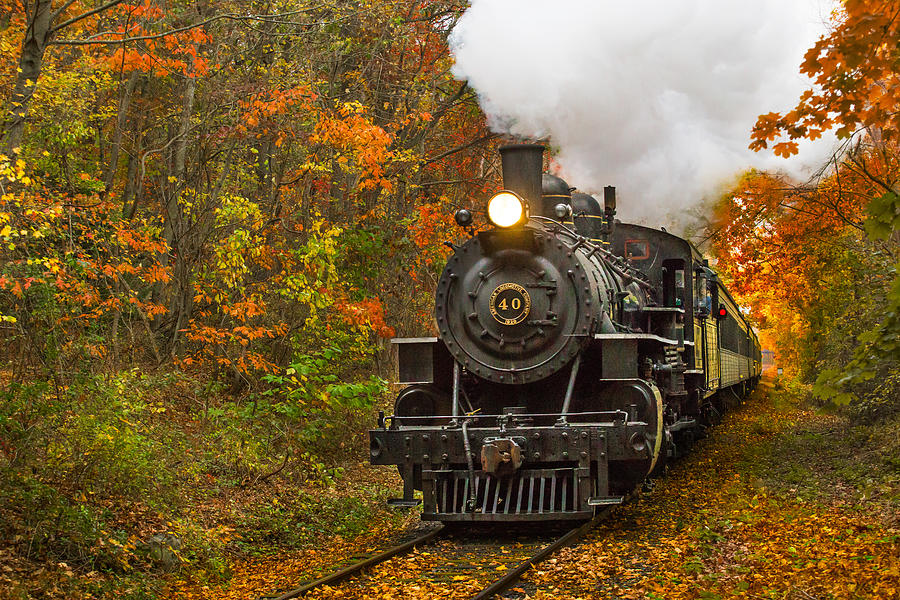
92,41
89,13
61,9
444,155
446,182
137,38
864,171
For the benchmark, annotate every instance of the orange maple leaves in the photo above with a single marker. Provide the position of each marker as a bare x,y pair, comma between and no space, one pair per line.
260,112
799,254
710,529
83,256
359,143
159,53
368,313
856,79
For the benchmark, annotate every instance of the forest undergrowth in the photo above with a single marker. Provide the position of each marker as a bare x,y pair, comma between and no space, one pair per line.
121,484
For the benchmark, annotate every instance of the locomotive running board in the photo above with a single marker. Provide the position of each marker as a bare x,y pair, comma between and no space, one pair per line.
605,500
401,503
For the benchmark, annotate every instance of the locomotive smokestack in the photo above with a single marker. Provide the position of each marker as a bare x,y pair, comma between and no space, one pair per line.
522,167
609,199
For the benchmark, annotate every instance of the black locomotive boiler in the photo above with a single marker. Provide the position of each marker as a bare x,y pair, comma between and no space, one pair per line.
575,353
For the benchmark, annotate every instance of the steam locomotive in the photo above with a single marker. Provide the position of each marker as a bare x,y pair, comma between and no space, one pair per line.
575,354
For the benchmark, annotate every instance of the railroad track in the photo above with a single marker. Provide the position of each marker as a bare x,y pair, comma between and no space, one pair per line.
459,562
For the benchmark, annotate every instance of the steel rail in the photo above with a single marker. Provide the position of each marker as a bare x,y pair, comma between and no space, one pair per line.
355,568
515,574
508,579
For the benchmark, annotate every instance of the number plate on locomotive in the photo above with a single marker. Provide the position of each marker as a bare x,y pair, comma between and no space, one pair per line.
510,303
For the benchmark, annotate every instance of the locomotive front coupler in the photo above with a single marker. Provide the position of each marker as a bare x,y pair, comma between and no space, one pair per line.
501,455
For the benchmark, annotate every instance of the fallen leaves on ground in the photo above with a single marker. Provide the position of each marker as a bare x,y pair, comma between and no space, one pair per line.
709,530
277,572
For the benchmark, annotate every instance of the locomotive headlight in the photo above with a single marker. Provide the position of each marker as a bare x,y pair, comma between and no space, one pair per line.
506,209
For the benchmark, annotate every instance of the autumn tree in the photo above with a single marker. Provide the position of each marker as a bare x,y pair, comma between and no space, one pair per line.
855,71
213,216
41,22
800,257
285,173
251,195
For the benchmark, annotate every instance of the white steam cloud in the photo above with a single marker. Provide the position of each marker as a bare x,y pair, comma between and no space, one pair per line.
655,97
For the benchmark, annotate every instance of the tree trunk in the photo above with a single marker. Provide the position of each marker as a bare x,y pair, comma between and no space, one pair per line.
129,207
37,34
182,296
124,104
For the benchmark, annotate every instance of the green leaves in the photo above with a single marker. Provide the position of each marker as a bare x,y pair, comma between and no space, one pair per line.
311,381
877,353
883,215
827,387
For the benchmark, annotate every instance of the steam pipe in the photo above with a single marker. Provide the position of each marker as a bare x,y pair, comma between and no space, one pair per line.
470,501
455,407
569,390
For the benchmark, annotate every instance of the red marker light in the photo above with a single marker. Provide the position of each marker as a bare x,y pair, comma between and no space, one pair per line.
723,311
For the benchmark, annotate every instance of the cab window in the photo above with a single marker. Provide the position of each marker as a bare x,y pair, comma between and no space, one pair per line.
637,249
702,293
